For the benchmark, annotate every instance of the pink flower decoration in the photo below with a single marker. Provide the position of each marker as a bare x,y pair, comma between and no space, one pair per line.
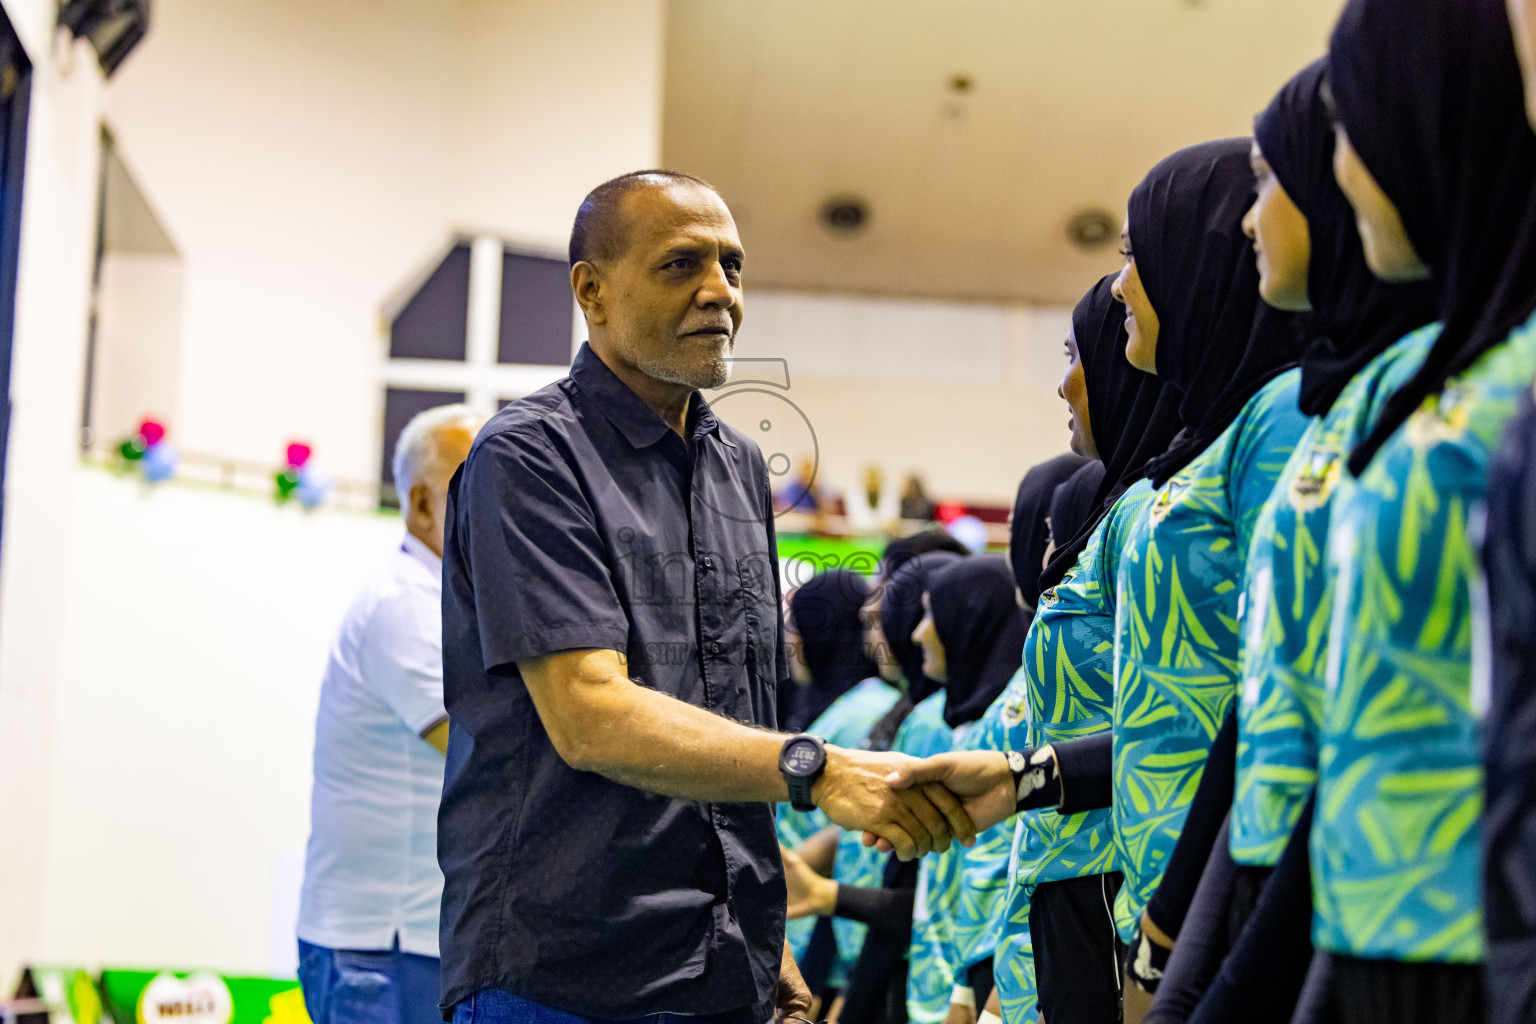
298,454
152,431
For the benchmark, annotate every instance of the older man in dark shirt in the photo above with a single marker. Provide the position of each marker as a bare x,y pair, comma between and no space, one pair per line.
612,648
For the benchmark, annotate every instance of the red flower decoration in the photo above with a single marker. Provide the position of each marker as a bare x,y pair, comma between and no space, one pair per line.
298,454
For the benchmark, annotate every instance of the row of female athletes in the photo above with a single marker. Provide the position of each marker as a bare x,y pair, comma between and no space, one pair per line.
1264,746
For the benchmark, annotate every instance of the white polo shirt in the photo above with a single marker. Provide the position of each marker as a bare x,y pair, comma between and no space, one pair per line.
371,871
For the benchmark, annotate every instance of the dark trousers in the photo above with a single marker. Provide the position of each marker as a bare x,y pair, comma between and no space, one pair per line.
1370,991
1077,951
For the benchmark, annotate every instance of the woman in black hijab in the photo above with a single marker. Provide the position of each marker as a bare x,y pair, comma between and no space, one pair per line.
1029,529
1361,330
1440,145
972,634
1436,158
830,636
1132,416
1071,506
1355,315
1190,290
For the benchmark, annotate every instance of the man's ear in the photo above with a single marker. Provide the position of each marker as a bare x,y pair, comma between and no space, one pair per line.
420,499
587,286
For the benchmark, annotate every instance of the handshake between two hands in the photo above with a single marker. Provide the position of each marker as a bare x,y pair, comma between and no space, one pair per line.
915,806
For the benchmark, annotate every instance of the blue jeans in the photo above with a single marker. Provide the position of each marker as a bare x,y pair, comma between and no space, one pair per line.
495,1006
348,986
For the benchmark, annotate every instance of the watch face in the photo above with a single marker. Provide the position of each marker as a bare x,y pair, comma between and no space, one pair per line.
800,757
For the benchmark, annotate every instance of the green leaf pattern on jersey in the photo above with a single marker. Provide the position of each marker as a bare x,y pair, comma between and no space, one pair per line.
1177,641
1395,843
1013,971
1288,604
1069,664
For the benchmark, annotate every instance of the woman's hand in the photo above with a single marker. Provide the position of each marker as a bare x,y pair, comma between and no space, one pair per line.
810,895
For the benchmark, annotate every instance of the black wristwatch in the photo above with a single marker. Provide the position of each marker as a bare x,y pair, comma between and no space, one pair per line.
801,762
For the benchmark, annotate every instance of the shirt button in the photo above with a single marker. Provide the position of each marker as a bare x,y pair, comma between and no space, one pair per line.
714,648
709,563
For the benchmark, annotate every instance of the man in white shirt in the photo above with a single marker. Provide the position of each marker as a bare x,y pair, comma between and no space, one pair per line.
368,914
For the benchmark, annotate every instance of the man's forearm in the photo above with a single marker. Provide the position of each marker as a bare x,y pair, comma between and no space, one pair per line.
601,721
642,738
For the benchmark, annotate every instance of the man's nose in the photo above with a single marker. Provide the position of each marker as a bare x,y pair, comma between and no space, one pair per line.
716,289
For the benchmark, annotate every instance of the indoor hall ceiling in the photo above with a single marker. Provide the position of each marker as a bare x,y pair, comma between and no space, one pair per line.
782,104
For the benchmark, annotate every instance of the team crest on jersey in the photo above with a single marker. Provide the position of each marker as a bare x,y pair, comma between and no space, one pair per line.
1443,417
1171,494
1316,479
1016,707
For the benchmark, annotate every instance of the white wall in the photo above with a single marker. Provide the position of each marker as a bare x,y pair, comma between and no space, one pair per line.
138,342
305,158
57,242
964,393
328,149
198,630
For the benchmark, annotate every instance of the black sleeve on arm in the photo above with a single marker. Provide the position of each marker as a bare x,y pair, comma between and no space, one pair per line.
1261,980
1203,941
1086,768
1210,807
886,909
877,982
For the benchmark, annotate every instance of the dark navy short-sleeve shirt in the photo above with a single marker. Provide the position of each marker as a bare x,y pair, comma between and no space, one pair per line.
581,520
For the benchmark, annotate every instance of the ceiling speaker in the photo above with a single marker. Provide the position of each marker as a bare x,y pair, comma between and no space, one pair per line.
845,215
1092,228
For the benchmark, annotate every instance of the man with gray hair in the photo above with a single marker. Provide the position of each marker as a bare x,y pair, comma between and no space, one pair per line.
368,914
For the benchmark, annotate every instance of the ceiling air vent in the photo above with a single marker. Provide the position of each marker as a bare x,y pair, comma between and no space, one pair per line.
1092,228
845,215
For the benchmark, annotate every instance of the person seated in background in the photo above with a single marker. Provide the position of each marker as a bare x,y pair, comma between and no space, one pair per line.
368,912
873,507
801,493
915,503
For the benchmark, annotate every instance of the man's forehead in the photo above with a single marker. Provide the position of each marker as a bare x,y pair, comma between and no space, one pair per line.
678,213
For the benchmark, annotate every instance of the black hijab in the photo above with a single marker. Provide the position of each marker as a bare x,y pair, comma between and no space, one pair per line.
1218,343
826,610
1429,92
982,628
1134,417
1029,533
1355,315
1073,502
901,609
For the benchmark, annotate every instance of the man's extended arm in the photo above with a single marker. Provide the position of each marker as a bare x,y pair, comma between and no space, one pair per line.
601,721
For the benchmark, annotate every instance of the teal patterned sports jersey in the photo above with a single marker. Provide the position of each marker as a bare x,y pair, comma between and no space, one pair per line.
1069,661
1068,693
1176,630
1013,970
1395,844
930,976
922,732
845,723
981,875
1286,608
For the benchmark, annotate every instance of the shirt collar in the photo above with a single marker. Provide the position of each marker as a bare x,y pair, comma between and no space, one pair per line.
413,546
628,412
